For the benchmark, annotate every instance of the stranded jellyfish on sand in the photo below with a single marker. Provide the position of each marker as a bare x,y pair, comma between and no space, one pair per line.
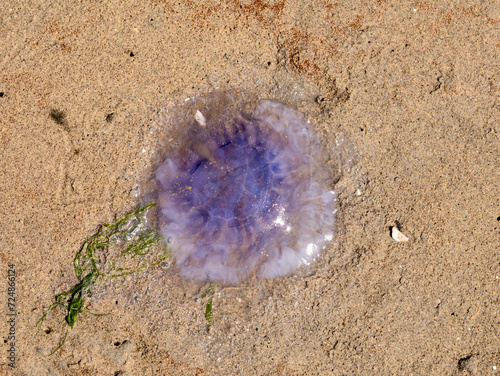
245,194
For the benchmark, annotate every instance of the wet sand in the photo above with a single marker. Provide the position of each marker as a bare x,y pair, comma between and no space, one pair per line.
405,96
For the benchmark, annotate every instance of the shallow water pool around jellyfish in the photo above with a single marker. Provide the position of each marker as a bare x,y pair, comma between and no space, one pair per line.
245,194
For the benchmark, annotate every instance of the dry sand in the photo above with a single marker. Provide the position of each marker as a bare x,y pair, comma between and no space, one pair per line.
405,93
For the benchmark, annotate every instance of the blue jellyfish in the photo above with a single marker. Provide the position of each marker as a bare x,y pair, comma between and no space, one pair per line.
248,195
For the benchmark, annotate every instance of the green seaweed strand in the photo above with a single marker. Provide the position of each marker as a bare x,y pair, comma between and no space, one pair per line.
209,292
137,242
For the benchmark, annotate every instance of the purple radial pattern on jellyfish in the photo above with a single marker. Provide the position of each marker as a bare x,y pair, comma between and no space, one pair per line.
247,196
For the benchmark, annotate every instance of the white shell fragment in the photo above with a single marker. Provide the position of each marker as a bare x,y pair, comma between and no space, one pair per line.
398,235
200,119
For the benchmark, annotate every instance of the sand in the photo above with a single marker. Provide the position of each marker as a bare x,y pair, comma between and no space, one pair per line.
405,95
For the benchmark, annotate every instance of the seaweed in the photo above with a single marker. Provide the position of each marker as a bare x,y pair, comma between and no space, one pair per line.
115,250
209,292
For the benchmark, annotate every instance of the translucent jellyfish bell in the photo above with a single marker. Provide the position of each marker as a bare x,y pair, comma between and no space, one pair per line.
245,194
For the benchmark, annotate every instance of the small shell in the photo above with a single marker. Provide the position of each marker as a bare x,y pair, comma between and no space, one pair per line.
398,235
200,119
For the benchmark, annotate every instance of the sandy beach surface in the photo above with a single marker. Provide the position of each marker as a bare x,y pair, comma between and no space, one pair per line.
403,94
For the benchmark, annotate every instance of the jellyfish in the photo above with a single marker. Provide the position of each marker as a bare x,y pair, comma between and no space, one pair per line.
245,195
